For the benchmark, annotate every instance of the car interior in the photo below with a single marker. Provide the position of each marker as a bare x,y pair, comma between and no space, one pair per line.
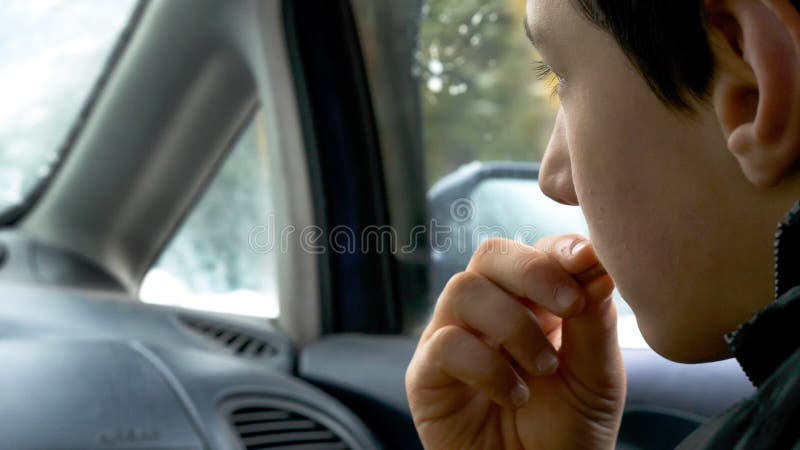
185,186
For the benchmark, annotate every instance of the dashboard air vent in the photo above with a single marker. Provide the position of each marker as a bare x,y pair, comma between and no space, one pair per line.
283,428
228,338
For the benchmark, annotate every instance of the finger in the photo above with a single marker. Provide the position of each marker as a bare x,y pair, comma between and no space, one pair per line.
589,343
599,288
470,300
453,353
590,348
573,251
576,255
528,272
547,320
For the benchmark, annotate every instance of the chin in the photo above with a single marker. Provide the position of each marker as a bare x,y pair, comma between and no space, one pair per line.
682,342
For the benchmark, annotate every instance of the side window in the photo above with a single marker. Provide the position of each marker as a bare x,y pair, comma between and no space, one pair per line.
211,263
481,97
486,108
487,119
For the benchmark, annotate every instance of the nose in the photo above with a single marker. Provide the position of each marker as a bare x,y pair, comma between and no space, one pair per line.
555,174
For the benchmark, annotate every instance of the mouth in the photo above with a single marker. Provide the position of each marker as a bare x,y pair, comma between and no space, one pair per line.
588,275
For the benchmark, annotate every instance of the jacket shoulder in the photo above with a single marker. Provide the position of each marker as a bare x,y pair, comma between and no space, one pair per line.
770,419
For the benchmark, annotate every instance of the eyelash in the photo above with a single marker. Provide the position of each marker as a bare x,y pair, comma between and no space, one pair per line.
545,73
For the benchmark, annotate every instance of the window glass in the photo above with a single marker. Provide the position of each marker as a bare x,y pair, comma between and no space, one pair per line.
51,54
480,96
211,263
486,120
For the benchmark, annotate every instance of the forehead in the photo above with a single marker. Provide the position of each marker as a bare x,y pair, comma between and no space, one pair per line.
546,17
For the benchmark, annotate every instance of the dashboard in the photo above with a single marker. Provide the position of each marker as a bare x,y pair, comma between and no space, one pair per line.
91,369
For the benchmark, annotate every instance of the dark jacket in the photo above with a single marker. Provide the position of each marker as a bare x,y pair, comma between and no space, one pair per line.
768,349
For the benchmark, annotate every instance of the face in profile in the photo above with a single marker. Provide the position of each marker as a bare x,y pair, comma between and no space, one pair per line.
683,232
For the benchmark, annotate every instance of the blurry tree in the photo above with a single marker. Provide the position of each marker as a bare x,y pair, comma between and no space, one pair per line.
481,98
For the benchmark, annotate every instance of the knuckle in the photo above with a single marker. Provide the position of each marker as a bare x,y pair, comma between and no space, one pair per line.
462,283
489,247
445,339
411,374
540,274
532,265
432,352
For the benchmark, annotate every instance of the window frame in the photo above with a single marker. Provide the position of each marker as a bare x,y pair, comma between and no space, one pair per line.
358,289
180,92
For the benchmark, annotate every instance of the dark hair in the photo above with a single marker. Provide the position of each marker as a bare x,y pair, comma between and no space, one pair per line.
667,42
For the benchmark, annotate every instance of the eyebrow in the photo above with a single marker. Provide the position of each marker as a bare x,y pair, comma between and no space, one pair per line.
534,37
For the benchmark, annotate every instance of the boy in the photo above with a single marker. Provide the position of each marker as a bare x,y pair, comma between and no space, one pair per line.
678,136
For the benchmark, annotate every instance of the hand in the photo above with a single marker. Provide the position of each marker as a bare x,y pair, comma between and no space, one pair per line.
521,353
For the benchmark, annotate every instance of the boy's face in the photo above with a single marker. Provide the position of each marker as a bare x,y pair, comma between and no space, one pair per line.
686,237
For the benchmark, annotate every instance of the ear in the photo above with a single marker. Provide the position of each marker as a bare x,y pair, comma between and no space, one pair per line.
756,90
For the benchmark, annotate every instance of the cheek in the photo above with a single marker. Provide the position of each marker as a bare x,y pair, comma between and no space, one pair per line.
663,204
620,185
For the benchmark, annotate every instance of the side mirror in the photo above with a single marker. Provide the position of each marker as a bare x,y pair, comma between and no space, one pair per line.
485,200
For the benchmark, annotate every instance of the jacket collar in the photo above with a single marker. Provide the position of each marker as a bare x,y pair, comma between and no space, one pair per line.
771,336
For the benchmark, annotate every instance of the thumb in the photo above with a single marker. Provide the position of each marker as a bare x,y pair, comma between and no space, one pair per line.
589,345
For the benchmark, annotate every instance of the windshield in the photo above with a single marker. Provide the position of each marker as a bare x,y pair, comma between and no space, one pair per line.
51,54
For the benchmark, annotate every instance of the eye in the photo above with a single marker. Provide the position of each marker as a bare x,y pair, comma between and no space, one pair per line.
546,73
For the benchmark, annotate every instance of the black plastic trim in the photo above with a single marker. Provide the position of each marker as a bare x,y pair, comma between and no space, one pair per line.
313,160
359,292
341,431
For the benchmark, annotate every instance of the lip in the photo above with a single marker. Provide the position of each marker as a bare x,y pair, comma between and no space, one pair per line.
590,274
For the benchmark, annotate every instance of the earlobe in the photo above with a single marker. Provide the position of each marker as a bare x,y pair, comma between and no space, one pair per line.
756,90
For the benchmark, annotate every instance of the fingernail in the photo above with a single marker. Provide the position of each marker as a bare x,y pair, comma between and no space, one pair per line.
566,296
546,362
578,247
520,394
